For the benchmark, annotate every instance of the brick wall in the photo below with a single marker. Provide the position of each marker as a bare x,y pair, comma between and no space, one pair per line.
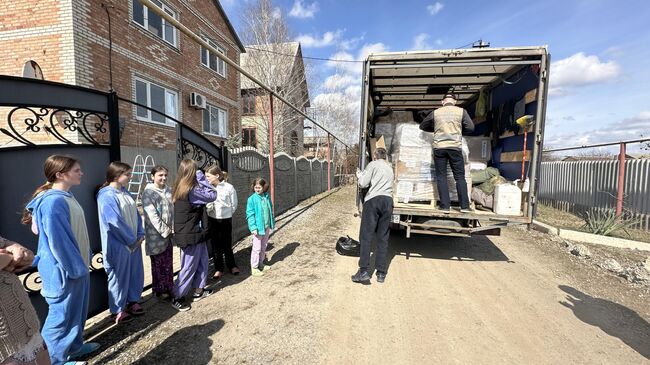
42,31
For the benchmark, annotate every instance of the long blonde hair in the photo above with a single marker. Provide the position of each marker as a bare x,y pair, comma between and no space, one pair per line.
185,179
52,166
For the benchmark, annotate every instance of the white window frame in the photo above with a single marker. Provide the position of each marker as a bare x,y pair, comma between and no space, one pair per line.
168,92
145,26
219,60
220,133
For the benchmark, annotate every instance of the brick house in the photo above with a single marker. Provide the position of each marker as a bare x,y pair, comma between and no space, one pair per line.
152,63
280,66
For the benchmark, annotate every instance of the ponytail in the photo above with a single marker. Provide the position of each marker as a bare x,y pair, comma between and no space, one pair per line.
27,214
53,165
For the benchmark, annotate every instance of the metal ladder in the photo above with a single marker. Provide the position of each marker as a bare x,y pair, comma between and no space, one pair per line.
140,176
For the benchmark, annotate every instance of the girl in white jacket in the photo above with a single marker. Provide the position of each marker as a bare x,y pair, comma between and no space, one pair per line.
220,214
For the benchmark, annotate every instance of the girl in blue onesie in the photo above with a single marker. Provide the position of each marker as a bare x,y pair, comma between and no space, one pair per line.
122,234
63,257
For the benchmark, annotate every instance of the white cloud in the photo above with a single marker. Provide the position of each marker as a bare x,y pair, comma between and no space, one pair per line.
339,81
435,8
277,13
625,129
348,44
299,10
420,42
328,39
371,48
581,70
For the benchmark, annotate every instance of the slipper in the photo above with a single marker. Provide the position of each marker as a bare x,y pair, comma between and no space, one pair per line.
217,275
84,350
235,271
135,309
123,317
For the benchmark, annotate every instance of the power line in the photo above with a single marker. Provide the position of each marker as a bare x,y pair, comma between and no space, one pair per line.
306,57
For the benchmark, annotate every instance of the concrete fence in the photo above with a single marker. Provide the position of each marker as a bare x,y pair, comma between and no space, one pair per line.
296,179
577,186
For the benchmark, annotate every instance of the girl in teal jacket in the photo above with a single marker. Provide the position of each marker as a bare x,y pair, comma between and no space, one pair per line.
259,214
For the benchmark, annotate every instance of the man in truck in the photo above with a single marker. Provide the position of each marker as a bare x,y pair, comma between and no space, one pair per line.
448,125
375,218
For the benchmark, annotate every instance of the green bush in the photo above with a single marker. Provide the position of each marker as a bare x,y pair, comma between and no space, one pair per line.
606,223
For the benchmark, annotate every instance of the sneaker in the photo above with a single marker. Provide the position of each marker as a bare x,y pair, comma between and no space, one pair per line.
204,294
180,305
123,317
264,268
445,210
257,272
85,349
381,277
75,363
467,210
361,276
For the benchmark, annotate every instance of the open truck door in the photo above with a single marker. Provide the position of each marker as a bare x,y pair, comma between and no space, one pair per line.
404,86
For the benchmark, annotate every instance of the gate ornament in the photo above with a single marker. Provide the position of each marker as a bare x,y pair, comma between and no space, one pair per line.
88,126
198,154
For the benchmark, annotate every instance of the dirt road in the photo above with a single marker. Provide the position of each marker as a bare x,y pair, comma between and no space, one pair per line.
517,298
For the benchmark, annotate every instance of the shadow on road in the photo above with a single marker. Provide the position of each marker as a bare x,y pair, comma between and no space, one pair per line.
284,252
111,336
189,345
614,319
476,248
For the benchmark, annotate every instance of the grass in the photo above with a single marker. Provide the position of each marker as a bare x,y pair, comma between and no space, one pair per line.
561,219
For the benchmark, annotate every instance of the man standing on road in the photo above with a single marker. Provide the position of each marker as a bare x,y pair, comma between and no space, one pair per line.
448,124
375,218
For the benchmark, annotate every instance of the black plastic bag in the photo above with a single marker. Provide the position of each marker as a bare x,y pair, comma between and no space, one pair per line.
346,246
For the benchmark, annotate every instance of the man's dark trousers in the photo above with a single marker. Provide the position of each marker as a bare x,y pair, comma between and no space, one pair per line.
441,158
375,219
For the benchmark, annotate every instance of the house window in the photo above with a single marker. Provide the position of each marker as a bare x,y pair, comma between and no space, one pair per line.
215,121
210,60
154,23
158,98
248,103
249,137
32,70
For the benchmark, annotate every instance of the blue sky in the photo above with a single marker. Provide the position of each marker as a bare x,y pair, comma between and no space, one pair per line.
600,50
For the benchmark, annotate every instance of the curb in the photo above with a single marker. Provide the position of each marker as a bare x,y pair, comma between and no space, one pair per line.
589,237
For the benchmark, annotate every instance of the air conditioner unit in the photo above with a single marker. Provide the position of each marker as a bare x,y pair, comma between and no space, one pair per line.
197,101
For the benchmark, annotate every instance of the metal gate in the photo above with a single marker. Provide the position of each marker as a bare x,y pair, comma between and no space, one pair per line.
40,118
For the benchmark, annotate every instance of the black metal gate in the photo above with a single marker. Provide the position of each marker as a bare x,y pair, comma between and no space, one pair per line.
40,118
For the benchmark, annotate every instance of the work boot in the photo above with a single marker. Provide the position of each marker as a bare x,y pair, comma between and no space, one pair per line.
361,276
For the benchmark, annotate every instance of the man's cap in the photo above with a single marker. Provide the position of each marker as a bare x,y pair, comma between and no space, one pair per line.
449,96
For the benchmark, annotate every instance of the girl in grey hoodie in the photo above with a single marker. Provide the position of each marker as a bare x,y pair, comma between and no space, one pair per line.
158,226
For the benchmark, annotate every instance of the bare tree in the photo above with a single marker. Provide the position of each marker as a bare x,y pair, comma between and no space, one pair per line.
273,58
550,156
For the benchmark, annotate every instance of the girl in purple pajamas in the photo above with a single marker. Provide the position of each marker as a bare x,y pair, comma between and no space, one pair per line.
191,192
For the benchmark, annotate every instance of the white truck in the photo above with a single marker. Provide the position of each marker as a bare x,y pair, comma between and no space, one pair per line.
504,82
